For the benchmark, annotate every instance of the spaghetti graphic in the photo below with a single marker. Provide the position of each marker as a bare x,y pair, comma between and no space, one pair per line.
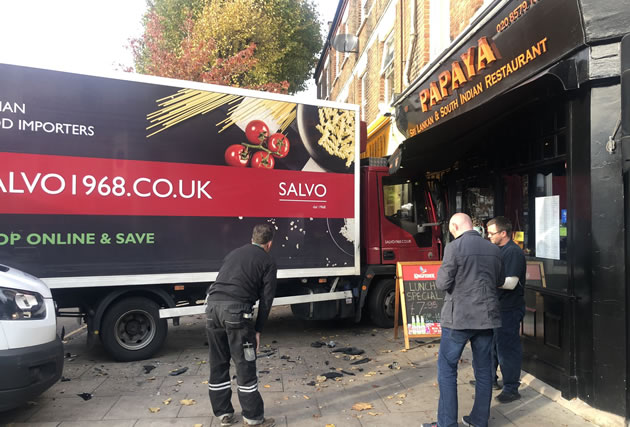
188,103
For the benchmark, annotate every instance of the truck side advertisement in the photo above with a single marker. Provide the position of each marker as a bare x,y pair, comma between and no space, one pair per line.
109,177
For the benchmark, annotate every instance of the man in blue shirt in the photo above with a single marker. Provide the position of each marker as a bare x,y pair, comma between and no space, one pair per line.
512,301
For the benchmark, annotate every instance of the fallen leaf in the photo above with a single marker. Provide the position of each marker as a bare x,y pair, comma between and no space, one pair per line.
386,351
404,350
204,382
390,397
151,379
330,425
187,402
267,386
320,378
374,414
362,406
168,401
402,395
306,397
198,425
179,382
399,402
154,410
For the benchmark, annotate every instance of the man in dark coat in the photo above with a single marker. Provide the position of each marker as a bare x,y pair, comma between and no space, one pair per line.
470,273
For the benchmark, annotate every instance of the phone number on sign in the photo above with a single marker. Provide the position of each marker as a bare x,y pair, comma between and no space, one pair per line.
54,184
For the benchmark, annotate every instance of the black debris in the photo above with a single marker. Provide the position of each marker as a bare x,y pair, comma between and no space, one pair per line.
331,344
148,368
360,369
288,359
85,396
312,383
178,371
347,373
331,375
263,372
353,351
318,344
393,365
64,379
326,363
362,361
274,342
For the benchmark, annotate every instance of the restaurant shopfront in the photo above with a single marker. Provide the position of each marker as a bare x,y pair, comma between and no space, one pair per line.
525,116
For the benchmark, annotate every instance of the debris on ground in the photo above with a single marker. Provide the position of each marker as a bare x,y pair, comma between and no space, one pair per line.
64,379
346,372
353,351
360,362
154,410
148,368
187,402
85,396
168,401
394,365
331,375
318,344
178,371
311,383
331,344
362,406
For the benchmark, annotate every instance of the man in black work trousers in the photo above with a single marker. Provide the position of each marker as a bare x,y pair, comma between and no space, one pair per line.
248,274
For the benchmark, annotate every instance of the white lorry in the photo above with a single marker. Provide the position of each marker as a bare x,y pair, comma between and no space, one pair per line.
124,194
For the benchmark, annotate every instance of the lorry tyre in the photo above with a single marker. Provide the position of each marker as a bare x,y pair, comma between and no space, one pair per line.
381,303
132,329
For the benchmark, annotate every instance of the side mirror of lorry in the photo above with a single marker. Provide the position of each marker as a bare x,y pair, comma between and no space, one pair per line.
424,227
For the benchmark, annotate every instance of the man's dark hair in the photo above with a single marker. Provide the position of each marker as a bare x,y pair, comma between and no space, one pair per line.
262,234
502,224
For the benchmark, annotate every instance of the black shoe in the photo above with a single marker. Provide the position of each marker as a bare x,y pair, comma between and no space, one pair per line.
506,397
466,421
495,385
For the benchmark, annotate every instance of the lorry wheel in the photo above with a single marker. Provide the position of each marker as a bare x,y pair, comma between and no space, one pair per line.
382,302
132,329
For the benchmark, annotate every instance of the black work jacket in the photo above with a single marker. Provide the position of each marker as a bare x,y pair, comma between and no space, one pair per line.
470,274
248,274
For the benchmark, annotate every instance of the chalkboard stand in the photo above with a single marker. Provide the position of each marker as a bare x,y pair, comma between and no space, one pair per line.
401,304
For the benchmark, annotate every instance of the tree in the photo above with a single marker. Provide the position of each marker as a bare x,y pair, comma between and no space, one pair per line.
249,43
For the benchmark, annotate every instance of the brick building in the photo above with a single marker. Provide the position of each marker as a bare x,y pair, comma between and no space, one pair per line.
396,41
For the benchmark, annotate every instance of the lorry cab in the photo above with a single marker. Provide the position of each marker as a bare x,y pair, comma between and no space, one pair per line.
31,353
401,220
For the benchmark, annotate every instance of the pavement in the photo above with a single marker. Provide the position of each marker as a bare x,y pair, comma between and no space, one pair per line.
396,387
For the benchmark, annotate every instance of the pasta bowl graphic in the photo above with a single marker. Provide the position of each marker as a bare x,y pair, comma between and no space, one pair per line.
328,136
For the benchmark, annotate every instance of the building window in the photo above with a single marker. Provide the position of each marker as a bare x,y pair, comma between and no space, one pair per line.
364,11
389,84
439,27
388,52
363,96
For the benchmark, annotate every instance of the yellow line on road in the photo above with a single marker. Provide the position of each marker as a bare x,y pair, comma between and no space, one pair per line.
75,331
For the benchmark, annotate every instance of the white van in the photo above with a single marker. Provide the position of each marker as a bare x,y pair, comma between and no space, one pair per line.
31,353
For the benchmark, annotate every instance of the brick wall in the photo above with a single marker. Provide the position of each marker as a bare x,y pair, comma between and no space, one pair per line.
461,13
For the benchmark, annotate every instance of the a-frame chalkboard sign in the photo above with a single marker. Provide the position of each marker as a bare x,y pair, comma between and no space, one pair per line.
419,299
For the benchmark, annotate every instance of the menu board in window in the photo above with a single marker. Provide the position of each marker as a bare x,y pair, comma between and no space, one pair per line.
419,299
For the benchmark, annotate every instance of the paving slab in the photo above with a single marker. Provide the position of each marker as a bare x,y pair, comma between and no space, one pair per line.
73,409
177,422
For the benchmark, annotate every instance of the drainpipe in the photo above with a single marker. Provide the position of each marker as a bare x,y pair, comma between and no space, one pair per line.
412,44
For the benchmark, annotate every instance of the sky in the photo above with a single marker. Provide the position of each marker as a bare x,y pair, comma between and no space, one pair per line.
83,36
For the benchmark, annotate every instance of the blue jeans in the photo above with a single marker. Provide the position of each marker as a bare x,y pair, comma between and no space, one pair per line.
451,348
509,349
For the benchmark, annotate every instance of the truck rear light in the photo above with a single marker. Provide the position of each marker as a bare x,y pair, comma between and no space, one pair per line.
322,280
178,287
21,305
